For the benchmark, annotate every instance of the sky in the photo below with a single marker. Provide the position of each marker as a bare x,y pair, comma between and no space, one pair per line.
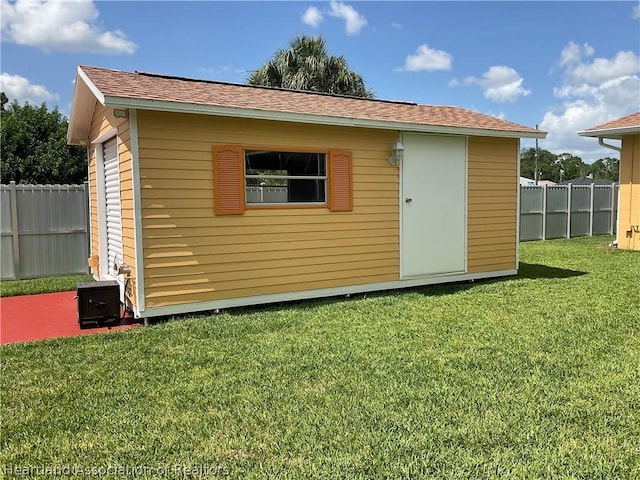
564,66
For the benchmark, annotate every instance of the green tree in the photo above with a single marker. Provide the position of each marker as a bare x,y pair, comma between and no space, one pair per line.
607,168
569,166
546,164
34,146
306,65
551,166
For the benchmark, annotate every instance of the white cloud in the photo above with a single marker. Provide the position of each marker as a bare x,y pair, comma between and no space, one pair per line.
500,84
573,53
60,25
312,17
603,69
19,88
427,59
354,21
635,13
562,128
593,92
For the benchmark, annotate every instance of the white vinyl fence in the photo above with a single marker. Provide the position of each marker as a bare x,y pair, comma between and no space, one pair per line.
43,230
266,194
566,211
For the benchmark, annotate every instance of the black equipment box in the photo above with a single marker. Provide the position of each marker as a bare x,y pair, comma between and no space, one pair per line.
98,303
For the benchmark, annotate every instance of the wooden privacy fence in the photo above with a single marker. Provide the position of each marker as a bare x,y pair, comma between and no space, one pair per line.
566,211
43,230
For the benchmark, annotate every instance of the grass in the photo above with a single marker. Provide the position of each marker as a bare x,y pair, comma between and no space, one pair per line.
536,376
42,285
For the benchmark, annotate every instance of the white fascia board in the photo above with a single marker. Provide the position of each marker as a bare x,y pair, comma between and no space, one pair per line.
177,107
96,92
615,133
319,293
72,118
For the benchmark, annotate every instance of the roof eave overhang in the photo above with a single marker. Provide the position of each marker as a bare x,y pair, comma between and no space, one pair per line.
180,107
613,133
85,95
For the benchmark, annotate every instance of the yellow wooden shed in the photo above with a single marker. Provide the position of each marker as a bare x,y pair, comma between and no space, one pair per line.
208,195
626,129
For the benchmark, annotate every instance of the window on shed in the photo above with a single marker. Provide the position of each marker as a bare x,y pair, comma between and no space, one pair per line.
254,178
285,177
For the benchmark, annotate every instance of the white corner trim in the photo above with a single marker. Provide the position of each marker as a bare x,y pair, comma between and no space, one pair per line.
137,212
400,222
517,179
466,204
318,293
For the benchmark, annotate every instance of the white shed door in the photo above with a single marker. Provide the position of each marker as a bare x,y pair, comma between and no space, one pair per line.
433,205
113,209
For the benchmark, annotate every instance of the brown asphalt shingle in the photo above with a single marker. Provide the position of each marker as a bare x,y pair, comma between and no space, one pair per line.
144,86
632,120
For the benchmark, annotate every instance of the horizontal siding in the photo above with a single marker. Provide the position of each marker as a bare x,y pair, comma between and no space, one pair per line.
191,255
492,204
280,284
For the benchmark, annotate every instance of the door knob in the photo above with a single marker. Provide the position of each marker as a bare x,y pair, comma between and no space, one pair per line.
408,200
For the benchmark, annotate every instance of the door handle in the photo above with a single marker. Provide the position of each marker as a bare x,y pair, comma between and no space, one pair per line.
408,200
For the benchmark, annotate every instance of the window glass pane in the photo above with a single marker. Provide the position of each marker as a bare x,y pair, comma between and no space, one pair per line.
285,163
273,177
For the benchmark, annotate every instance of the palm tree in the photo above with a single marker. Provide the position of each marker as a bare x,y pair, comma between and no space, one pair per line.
305,65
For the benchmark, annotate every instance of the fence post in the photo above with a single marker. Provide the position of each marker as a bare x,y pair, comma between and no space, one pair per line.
544,212
591,212
569,211
15,236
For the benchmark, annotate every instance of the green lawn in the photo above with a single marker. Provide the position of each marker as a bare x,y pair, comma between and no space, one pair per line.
42,285
530,377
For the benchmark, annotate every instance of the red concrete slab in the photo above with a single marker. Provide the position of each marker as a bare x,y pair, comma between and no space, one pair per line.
49,315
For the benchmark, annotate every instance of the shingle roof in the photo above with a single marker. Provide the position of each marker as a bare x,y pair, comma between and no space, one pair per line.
632,120
151,87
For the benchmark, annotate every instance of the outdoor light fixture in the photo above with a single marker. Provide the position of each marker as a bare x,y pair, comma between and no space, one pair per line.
397,152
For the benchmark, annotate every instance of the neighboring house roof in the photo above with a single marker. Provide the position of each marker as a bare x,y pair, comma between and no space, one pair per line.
527,182
615,128
119,89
